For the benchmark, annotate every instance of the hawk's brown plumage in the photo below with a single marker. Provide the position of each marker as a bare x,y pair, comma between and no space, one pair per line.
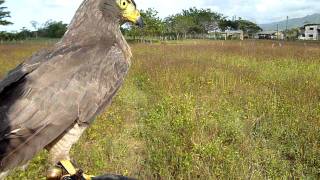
66,85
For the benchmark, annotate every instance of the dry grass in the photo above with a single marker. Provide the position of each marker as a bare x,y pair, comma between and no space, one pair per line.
205,110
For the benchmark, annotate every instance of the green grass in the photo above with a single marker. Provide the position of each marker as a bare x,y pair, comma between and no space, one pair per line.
204,110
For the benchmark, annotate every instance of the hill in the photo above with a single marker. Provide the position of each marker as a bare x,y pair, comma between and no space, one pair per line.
292,23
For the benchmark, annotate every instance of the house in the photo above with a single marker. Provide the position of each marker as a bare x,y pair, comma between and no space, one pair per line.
270,35
227,34
310,32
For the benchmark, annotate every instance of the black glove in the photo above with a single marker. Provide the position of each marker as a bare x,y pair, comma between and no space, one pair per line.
112,177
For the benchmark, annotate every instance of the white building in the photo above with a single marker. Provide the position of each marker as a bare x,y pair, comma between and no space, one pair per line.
227,34
310,32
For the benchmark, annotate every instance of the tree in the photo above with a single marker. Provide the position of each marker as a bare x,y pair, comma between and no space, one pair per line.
202,18
154,26
24,34
53,29
292,34
35,25
193,21
184,24
247,26
4,14
226,24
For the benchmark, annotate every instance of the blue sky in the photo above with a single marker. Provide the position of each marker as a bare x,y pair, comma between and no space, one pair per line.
259,11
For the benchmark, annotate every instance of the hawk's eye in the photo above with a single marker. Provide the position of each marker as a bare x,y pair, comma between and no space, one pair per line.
123,4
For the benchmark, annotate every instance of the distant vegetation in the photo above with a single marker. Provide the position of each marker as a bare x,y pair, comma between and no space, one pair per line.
51,29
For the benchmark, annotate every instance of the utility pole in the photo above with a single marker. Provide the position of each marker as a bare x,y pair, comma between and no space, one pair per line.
286,34
287,23
277,31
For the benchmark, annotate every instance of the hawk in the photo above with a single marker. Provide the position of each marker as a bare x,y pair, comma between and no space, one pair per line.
49,100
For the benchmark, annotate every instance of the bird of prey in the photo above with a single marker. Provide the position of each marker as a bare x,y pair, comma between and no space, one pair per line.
49,100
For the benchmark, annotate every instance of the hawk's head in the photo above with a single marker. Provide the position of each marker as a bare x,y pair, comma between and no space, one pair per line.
126,10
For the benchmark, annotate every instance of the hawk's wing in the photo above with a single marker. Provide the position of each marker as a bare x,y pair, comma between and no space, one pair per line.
31,64
26,67
39,106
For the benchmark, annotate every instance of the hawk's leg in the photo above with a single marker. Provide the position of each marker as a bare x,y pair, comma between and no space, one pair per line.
60,148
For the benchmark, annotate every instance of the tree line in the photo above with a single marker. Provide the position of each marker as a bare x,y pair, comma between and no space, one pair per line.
188,23
50,29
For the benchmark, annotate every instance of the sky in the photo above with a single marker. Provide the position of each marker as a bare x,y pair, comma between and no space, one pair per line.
258,11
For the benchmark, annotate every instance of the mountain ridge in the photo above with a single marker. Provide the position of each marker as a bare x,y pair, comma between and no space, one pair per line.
292,23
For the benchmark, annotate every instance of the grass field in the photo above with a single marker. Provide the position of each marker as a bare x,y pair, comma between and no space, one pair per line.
204,110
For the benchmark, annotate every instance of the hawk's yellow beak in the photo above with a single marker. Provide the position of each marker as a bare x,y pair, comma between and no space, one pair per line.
130,12
134,17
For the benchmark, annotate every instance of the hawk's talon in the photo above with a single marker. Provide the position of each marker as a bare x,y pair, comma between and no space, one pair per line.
65,170
55,173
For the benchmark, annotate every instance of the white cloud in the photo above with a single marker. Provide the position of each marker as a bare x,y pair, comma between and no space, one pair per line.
61,3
